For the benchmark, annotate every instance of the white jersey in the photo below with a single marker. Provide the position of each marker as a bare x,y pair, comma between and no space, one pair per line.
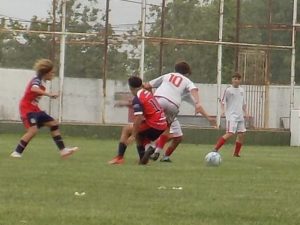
234,100
172,86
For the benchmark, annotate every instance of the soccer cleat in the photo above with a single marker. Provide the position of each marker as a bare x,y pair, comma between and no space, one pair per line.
165,159
236,155
116,160
154,156
15,154
147,155
66,152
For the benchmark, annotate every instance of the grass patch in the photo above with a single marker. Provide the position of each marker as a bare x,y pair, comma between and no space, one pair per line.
262,187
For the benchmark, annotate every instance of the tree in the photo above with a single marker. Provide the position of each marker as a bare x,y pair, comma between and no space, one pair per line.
84,53
190,19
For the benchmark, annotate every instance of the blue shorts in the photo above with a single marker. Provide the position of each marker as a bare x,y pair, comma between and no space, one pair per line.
36,119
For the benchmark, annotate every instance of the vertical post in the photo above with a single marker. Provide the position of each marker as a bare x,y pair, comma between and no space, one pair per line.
62,59
53,30
237,33
142,59
52,51
105,56
219,65
293,58
268,68
162,28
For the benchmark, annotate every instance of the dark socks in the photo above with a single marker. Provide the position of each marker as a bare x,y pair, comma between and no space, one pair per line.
121,149
21,146
141,151
59,142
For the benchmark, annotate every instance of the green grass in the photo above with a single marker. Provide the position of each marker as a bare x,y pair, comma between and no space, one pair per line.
262,187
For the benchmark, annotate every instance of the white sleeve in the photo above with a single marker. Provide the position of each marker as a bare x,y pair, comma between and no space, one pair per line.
155,83
190,85
223,99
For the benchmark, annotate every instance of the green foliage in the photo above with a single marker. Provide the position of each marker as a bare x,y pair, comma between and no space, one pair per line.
84,54
191,20
186,19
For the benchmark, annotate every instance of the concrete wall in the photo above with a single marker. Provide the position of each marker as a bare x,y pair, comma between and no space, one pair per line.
83,101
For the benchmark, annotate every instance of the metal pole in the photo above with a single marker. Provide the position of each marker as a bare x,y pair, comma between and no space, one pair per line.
53,30
219,65
142,59
105,59
162,28
268,68
237,33
52,51
62,59
293,58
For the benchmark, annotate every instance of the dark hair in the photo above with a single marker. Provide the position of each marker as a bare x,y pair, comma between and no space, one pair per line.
183,68
135,82
237,75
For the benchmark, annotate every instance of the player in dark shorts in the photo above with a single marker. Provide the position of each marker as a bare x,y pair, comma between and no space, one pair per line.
33,117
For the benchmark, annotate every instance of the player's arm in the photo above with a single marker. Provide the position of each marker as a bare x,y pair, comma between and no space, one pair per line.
137,121
199,108
138,115
155,83
246,114
147,86
123,103
222,109
39,91
223,102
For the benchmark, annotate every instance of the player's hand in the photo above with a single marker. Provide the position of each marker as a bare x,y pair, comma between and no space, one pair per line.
198,108
130,140
247,116
212,122
53,95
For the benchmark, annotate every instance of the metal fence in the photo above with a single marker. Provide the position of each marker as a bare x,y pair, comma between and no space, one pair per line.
112,39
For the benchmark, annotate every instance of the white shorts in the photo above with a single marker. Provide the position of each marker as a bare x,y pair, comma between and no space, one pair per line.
235,126
175,128
170,109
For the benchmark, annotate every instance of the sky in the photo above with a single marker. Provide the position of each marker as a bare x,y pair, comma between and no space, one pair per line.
121,12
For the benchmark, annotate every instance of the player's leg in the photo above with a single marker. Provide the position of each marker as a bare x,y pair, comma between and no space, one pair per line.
171,112
160,143
240,138
25,139
125,140
31,130
177,136
149,136
231,128
45,120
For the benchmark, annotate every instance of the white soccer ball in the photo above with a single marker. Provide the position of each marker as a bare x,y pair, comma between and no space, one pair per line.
213,159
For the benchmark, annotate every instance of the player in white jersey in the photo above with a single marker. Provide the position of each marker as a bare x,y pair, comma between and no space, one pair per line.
171,89
234,105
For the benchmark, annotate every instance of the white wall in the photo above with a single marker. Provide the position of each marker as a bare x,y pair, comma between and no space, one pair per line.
83,101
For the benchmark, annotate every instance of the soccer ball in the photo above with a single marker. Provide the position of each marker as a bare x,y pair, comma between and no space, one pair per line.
213,159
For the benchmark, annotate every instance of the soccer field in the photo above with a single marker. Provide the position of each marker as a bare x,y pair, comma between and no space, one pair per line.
262,187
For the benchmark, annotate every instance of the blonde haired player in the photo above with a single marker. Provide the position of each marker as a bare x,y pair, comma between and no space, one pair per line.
233,104
33,117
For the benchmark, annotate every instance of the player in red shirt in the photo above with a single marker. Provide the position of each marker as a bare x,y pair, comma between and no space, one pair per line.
149,119
33,117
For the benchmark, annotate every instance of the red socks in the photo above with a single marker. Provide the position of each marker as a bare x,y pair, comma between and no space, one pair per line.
169,151
237,149
162,140
220,143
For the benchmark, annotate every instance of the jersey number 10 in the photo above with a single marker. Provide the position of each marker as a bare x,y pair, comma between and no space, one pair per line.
176,80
